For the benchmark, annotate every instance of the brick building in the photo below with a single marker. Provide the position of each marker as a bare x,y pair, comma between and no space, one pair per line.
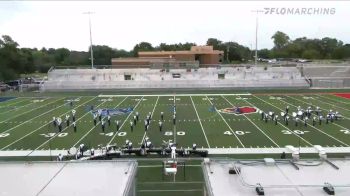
198,56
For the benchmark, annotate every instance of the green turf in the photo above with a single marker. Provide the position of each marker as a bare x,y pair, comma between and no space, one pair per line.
25,122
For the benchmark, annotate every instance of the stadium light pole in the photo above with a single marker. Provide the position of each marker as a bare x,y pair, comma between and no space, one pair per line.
256,34
91,51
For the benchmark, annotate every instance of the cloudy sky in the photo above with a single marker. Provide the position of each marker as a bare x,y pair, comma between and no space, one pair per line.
122,24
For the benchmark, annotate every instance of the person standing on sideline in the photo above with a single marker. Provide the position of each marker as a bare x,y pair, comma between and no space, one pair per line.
160,125
73,115
162,116
95,117
137,116
147,120
81,149
146,124
67,120
131,126
117,124
135,120
103,125
59,121
100,115
74,126
60,157
109,120
54,121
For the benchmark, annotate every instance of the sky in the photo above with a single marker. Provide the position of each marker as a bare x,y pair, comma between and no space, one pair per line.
123,24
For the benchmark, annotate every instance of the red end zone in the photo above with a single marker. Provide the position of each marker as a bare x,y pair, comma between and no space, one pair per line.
345,95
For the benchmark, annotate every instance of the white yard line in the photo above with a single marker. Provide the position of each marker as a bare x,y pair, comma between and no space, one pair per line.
263,132
155,105
63,130
110,141
169,95
336,100
227,124
95,126
31,110
283,124
42,126
19,107
332,104
199,120
33,118
16,102
313,105
317,128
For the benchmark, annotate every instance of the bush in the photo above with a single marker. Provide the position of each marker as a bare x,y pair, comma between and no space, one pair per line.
43,68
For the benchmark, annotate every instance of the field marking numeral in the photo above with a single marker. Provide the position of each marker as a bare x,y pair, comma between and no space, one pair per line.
345,131
236,132
121,134
298,132
179,133
110,134
48,134
308,97
53,134
4,134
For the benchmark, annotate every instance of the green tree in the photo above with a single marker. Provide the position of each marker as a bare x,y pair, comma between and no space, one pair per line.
143,46
61,56
280,40
102,54
217,44
264,53
311,54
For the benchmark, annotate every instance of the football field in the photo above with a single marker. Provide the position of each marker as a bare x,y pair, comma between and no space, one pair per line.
208,120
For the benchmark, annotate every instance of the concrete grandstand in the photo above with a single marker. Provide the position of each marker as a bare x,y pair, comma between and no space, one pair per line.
243,76
205,78
327,76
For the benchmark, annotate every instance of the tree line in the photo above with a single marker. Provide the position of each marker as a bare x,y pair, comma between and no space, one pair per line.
15,60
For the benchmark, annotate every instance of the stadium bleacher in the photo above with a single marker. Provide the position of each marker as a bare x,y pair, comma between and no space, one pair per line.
327,76
227,77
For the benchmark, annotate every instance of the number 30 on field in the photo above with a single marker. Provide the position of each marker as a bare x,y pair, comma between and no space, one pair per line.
53,134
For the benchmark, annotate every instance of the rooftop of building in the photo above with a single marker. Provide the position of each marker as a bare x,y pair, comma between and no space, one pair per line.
66,178
193,50
279,177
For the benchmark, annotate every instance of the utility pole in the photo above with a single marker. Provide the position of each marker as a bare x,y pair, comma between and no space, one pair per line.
256,34
227,52
91,51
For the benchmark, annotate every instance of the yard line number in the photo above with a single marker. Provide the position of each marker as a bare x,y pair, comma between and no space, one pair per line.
169,133
298,132
110,134
236,132
345,131
4,134
53,134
